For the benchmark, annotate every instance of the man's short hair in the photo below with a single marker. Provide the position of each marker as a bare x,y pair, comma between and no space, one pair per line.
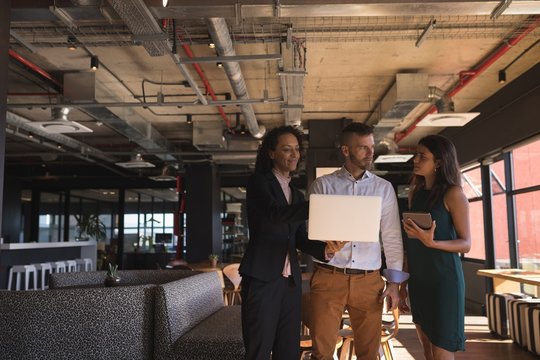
354,128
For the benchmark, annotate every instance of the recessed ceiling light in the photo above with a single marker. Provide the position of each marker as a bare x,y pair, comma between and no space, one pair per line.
447,119
393,158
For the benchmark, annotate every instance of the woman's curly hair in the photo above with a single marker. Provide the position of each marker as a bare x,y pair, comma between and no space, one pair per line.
264,163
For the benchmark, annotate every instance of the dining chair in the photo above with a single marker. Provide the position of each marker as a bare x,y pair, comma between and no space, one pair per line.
231,272
388,332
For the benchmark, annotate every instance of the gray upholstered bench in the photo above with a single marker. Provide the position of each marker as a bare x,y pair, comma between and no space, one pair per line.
127,277
78,323
192,322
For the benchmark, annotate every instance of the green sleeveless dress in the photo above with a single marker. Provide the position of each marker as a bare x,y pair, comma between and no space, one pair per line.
436,284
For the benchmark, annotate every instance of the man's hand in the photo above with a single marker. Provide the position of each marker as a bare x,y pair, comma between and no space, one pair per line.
403,307
332,247
391,294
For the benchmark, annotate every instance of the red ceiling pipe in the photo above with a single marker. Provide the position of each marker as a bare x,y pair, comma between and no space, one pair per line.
207,85
467,76
34,67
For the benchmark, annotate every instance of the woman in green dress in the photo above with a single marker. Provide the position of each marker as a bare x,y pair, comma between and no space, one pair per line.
436,285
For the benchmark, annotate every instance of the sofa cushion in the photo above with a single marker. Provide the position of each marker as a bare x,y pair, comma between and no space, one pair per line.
127,277
219,337
183,304
82,323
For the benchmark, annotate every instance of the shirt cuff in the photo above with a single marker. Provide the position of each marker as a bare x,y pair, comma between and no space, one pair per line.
395,276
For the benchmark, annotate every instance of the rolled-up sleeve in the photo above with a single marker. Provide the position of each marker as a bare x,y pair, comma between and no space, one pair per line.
391,231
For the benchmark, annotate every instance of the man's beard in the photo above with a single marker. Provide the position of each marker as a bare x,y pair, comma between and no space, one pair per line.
362,164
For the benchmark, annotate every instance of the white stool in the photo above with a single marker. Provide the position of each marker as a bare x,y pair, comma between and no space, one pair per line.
85,264
27,270
71,265
59,266
44,267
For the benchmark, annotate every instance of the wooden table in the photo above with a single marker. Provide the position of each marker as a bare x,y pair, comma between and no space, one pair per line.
509,280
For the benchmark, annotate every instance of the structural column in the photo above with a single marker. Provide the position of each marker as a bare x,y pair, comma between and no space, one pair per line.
5,10
203,209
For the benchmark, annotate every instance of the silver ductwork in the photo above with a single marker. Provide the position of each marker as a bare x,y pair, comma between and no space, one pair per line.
403,97
219,32
77,148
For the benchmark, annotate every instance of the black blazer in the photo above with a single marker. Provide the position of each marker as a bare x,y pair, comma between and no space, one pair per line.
275,229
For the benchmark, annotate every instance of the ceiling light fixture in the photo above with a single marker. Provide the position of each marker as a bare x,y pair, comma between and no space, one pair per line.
72,42
219,64
136,163
502,77
94,62
212,45
499,9
189,121
429,27
165,3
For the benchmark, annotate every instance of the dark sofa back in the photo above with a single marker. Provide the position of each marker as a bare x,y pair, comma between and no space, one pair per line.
127,277
181,305
78,323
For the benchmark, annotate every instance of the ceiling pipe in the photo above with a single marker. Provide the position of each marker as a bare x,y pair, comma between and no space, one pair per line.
219,32
467,76
36,69
207,85
140,132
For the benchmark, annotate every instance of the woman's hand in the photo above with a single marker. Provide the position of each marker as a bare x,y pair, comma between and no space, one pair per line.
332,247
414,231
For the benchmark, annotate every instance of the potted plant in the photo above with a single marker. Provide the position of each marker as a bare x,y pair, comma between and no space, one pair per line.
213,259
112,278
90,226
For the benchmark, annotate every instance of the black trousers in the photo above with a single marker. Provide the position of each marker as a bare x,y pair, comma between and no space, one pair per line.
271,318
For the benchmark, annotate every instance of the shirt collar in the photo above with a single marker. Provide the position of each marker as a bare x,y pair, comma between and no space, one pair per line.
281,178
344,172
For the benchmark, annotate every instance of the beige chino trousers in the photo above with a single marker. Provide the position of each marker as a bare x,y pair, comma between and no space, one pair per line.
333,292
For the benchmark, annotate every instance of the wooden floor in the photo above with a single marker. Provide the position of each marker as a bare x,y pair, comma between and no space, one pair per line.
481,344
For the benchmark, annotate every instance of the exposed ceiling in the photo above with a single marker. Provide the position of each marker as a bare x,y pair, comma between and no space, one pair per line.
285,62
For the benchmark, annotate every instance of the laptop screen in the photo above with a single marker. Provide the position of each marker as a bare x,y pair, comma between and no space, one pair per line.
344,217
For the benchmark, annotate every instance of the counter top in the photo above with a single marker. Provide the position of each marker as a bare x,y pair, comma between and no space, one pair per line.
48,245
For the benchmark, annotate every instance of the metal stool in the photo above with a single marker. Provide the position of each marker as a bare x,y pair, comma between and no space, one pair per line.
59,266
18,270
44,267
85,264
71,265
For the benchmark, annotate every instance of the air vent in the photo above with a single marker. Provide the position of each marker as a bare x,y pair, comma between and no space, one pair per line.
447,119
60,127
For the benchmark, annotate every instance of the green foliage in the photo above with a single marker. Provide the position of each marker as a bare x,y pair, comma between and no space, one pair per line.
92,226
213,257
112,272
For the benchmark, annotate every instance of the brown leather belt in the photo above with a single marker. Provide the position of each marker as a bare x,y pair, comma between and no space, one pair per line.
345,271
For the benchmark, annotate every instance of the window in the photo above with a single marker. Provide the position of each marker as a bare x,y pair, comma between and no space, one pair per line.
500,217
526,169
472,186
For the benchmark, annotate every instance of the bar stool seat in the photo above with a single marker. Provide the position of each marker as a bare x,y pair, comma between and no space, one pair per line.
59,266
44,267
18,270
71,265
85,264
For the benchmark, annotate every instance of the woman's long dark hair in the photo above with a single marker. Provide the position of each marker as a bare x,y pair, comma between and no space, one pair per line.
446,175
264,163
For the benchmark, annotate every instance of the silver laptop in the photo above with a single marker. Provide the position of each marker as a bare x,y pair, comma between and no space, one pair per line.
344,217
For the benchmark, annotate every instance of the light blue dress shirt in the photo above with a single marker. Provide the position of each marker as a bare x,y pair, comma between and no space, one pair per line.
367,255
